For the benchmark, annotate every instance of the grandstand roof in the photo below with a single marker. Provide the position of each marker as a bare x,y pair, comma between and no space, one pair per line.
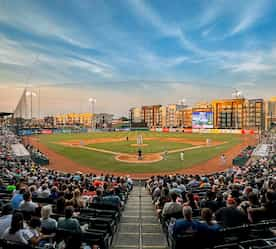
3,114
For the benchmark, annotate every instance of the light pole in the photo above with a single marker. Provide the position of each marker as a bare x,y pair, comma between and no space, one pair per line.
92,101
182,101
31,94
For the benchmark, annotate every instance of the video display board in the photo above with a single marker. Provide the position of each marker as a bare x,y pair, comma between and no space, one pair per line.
202,120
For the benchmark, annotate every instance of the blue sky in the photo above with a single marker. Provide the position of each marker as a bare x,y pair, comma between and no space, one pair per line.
132,52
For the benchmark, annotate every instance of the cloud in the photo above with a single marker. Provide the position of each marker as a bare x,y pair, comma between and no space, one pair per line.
250,67
19,54
33,19
252,13
246,84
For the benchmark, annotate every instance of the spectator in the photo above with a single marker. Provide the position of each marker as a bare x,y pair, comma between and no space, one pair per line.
207,218
209,202
69,223
33,231
191,201
185,225
171,207
99,196
43,192
48,225
60,205
17,199
230,216
77,201
5,219
27,205
16,231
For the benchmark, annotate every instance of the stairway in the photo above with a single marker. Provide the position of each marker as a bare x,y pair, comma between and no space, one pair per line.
139,227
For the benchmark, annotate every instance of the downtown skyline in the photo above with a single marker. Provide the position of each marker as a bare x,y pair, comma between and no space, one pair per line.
133,52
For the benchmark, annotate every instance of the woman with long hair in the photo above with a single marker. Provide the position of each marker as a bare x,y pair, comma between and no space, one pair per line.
77,201
16,232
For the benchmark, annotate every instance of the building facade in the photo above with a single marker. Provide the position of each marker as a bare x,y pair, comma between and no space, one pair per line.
184,118
151,116
238,113
254,118
135,116
229,113
270,113
71,119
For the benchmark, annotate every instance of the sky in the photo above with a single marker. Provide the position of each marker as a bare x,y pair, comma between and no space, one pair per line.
129,53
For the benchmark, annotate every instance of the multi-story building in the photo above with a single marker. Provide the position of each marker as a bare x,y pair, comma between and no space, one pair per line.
254,114
68,119
151,115
229,113
270,113
169,115
238,113
184,118
135,115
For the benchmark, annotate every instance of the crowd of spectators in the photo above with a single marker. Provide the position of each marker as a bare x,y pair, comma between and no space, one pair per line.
36,202
203,204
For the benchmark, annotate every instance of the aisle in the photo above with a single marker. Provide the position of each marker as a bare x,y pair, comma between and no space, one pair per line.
139,227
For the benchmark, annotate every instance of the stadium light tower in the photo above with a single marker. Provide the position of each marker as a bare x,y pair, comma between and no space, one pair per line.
237,94
182,101
92,101
31,95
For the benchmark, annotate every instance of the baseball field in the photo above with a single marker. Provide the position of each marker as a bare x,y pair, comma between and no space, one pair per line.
116,152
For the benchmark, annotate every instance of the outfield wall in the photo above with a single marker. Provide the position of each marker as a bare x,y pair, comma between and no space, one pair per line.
207,131
29,132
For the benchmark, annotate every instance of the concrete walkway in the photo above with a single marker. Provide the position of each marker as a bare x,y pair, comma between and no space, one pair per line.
139,227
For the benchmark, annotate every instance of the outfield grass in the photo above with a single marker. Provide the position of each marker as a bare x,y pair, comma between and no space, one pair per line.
107,162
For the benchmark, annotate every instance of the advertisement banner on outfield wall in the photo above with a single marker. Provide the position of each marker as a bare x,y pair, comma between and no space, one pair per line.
25,132
159,129
172,130
188,130
153,129
57,131
46,131
66,130
166,130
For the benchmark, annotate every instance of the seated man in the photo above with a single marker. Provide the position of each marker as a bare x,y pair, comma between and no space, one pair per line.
69,223
112,199
171,207
98,199
187,225
27,205
17,198
230,216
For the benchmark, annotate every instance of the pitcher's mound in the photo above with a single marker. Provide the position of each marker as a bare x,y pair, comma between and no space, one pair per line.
139,145
132,158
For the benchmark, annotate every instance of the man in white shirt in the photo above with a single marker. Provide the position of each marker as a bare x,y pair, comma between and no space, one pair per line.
27,205
182,155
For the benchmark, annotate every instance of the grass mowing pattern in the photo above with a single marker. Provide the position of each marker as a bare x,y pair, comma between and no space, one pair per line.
104,161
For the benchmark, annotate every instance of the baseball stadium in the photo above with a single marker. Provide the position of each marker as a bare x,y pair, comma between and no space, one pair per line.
137,124
116,152
121,181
